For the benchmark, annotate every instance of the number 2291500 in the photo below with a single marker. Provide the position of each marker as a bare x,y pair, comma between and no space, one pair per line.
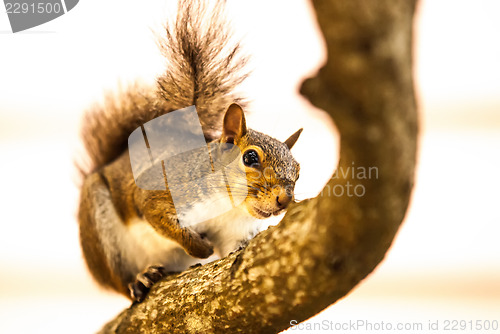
32,8
479,325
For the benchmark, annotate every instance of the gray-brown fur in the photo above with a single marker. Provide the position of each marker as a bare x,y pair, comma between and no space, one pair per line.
286,168
203,69
124,227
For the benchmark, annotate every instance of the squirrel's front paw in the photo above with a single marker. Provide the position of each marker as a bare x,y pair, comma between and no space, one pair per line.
200,247
145,280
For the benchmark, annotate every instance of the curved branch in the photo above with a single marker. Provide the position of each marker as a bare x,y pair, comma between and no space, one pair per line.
326,245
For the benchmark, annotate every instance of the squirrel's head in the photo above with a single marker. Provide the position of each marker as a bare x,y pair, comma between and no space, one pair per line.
271,171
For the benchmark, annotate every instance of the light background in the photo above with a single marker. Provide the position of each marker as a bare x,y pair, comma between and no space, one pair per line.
445,262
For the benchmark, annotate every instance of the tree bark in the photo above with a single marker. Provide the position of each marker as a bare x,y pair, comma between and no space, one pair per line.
326,245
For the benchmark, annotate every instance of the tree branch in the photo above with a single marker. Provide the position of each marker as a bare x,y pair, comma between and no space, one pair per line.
326,245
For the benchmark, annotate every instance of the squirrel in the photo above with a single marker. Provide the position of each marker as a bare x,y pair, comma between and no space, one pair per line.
132,237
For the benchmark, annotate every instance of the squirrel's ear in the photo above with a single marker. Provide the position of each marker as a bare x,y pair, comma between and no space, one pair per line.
234,126
293,138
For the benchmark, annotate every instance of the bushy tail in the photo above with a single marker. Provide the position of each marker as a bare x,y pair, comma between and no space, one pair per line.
203,69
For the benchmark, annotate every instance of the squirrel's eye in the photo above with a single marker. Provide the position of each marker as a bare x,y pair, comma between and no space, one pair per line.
251,158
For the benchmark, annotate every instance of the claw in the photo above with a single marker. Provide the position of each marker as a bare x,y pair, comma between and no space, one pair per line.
144,281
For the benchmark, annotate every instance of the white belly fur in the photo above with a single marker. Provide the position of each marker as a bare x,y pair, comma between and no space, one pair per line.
226,232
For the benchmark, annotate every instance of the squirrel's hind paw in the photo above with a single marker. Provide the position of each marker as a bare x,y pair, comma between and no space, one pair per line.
145,280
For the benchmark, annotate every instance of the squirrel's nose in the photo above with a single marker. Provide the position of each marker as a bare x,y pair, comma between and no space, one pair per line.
283,200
